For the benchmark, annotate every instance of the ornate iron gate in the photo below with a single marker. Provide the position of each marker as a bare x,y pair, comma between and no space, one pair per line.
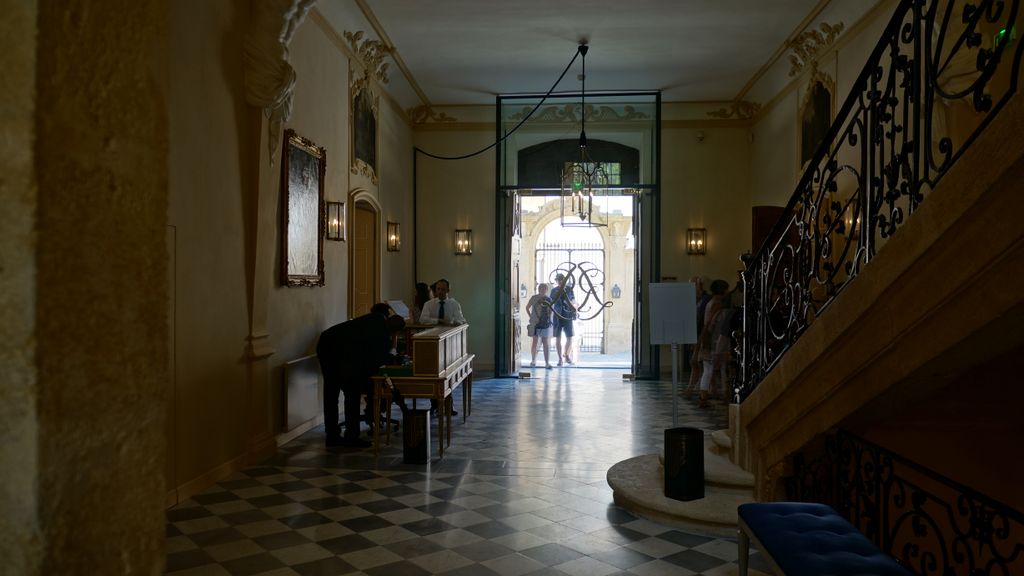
577,261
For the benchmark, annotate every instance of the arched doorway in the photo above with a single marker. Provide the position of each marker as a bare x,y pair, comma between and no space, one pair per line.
600,263
364,253
533,149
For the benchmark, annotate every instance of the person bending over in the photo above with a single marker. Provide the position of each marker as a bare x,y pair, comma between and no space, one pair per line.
349,354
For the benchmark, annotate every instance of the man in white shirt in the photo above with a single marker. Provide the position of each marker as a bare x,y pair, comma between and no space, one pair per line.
442,309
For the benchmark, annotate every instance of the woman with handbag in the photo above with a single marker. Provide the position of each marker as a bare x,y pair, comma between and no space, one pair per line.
538,309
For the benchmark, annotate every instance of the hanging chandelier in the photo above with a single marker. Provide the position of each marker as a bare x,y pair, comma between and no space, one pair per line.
585,182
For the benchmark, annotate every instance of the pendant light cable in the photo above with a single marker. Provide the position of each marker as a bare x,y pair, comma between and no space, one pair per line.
581,49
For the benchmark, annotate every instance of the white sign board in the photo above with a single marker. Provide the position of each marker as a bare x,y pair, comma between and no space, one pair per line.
673,313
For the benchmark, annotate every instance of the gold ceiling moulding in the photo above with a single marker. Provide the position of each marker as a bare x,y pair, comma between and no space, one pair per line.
570,113
370,54
810,44
423,114
741,109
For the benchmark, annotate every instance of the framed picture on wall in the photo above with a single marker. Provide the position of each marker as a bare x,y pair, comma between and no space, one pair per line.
817,109
302,197
363,123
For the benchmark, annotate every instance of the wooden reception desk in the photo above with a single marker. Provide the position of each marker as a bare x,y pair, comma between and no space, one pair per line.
440,364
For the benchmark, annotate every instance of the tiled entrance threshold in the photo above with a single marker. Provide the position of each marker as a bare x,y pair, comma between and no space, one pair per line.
521,491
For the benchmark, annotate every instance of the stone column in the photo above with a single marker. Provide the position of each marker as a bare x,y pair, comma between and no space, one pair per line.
20,543
84,291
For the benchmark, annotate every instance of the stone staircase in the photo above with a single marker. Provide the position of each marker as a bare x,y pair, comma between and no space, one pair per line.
638,486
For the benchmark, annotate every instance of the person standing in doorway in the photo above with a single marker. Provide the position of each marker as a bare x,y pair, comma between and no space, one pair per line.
538,309
563,303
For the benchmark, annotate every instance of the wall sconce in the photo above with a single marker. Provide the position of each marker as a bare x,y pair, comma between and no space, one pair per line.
852,227
394,237
463,242
696,241
616,291
336,221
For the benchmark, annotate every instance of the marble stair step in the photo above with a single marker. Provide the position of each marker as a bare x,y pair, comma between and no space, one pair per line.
638,487
722,474
721,442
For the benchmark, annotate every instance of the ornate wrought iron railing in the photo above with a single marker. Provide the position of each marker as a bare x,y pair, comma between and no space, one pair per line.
932,524
940,73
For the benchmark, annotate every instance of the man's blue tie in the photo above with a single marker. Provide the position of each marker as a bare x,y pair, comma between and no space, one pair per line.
440,311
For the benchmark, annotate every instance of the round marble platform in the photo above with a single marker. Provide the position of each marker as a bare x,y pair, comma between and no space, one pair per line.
638,486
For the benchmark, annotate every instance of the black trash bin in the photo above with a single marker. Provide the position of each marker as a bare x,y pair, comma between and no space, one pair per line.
416,436
684,463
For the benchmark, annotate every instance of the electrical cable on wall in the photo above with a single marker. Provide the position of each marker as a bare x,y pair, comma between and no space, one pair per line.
581,49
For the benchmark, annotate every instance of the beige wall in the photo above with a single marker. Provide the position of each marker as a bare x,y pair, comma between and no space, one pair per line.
705,184
84,186
207,215
297,315
320,113
459,194
395,193
235,325
19,386
774,168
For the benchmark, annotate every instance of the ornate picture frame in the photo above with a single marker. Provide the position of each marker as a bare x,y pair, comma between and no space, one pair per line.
816,109
364,127
303,170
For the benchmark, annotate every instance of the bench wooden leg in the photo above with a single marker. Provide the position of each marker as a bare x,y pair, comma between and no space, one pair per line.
744,543
450,406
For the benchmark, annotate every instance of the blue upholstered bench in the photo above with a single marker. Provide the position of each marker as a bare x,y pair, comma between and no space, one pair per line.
800,539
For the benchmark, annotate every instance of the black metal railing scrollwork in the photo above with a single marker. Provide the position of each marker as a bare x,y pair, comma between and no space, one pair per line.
940,73
930,523
583,296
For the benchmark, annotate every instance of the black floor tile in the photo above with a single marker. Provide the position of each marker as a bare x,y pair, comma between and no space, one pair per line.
414,547
188,559
551,554
187,513
427,526
326,567
403,568
345,544
491,529
694,560
254,564
280,540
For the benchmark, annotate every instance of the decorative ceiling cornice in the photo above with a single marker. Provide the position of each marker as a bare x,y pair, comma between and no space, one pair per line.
423,114
809,45
269,77
570,113
741,109
370,54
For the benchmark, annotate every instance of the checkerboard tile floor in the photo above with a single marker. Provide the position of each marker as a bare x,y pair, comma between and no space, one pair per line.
521,490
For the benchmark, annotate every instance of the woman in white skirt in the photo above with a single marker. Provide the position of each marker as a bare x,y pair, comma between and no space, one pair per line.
538,309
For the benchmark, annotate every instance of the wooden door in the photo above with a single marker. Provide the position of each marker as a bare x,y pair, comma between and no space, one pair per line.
363,262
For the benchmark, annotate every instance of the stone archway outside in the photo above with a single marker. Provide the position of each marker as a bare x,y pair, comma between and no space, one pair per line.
617,265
